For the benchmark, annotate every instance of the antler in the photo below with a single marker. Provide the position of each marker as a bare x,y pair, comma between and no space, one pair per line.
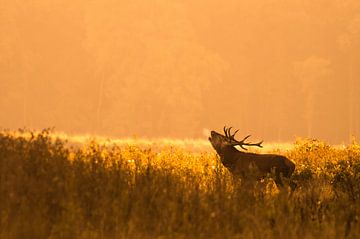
241,143
225,131
228,133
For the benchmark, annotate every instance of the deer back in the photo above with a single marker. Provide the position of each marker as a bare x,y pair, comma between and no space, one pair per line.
240,162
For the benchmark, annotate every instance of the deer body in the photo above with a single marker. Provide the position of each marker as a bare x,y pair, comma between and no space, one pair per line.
239,163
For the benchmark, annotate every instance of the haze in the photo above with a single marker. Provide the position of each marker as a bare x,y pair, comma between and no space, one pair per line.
159,68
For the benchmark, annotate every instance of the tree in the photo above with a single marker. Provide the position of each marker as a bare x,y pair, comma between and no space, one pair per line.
348,43
313,73
150,67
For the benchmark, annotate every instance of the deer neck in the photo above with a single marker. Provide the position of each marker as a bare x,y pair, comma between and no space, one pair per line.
228,156
227,151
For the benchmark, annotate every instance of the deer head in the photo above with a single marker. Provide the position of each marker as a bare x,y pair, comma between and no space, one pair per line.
220,142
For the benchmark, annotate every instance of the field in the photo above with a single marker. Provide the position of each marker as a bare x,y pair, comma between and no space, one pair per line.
57,188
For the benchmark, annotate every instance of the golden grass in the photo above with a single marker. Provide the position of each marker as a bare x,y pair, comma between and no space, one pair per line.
134,188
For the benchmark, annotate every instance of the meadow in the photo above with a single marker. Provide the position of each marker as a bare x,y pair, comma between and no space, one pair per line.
51,187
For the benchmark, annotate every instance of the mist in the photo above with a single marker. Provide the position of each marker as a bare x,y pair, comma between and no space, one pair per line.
274,69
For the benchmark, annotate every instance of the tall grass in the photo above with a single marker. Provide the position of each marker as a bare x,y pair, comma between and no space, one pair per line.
51,190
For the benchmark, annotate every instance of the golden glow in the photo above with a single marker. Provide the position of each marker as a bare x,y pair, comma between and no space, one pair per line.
177,69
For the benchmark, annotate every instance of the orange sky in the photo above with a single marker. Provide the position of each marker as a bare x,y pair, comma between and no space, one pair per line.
275,69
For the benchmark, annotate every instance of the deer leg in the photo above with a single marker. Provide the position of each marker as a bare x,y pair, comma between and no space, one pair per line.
293,185
278,180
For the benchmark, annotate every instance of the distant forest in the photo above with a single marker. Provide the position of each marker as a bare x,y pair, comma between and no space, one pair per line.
160,68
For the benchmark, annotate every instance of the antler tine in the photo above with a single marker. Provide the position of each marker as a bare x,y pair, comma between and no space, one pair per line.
243,140
229,133
243,147
259,144
225,130
232,136
254,144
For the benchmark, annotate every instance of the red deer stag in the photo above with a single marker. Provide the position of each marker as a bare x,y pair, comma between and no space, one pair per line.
238,162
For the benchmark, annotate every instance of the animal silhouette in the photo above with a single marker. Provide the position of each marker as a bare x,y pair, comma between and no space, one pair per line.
240,163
